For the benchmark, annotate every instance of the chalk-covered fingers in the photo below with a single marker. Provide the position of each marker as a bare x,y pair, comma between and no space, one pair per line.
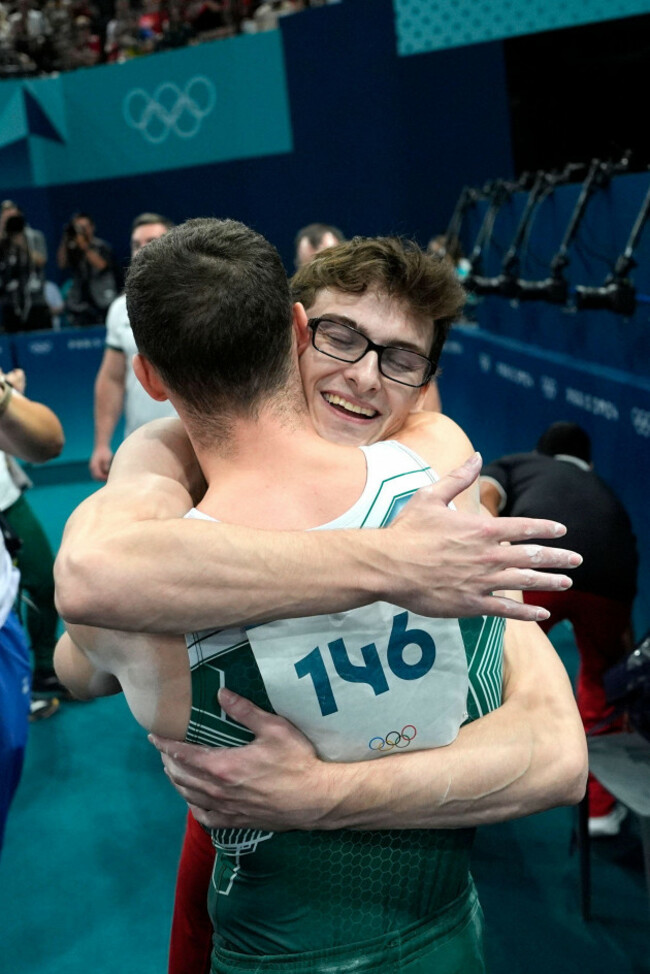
446,563
528,567
515,529
528,580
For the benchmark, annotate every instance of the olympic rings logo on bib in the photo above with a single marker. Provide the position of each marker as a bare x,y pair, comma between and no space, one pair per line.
394,739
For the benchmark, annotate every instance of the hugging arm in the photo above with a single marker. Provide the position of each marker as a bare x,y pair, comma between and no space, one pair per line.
524,757
84,679
128,561
151,671
527,755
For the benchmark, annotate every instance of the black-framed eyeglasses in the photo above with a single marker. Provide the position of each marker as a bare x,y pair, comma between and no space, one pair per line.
346,344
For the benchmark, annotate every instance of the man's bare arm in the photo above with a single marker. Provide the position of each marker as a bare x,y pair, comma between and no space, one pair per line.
109,402
82,678
200,574
128,562
160,449
28,430
526,756
490,497
151,671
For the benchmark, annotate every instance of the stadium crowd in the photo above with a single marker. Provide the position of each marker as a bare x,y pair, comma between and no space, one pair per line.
47,36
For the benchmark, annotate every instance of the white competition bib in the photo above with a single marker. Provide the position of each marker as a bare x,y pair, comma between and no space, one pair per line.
366,683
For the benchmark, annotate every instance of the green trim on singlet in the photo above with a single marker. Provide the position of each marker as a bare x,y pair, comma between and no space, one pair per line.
388,480
483,639
234,668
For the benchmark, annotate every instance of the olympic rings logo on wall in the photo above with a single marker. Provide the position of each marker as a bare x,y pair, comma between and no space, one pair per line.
169,109
394,739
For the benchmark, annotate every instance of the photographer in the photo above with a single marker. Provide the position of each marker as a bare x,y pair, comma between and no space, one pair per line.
92,265
23,256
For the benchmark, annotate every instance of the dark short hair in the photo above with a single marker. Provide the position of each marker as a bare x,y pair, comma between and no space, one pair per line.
565,437
147,219
210,308
314,233
396,267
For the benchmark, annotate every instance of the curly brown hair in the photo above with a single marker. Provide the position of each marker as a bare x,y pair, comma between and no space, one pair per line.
393,266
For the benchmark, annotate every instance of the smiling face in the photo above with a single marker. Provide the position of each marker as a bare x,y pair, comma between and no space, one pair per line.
352,402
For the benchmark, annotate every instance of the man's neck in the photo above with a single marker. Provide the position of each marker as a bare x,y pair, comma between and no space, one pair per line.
275,471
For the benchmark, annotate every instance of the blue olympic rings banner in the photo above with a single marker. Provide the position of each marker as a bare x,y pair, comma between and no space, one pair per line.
216,102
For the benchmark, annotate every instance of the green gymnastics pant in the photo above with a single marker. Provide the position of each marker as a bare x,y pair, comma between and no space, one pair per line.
449,943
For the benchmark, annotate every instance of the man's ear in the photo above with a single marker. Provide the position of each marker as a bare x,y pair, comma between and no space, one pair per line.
429,398
148,378
300,327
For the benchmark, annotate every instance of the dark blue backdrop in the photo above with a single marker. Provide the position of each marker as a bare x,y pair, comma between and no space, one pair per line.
382,143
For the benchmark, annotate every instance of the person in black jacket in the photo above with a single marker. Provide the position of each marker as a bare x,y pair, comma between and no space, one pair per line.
557,480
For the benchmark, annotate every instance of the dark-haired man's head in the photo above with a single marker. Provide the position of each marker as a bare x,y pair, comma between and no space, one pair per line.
83,223
565,438
12,218
210,309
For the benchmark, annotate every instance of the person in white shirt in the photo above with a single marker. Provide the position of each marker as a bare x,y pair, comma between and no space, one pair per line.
117,390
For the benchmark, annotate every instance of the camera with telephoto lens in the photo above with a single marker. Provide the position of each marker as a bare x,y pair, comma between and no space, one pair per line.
15,224
70,232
